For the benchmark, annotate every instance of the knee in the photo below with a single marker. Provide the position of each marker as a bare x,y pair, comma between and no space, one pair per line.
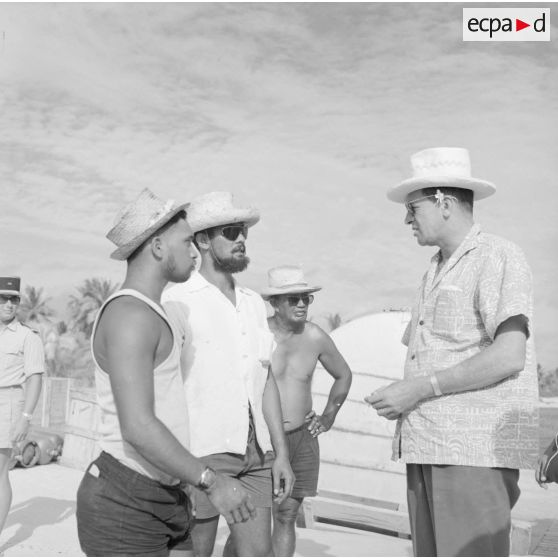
286,516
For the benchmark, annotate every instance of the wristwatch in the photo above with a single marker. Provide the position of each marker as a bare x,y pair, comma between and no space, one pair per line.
207,479
27,416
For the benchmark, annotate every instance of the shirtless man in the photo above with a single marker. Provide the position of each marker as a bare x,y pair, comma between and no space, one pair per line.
130,501
300,345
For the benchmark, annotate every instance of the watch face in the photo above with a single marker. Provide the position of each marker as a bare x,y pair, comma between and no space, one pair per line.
207,478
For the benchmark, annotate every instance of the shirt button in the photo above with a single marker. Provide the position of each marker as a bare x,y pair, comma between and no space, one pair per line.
421,322
244,356
413,357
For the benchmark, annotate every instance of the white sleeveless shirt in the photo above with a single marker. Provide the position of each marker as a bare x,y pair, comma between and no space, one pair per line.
169,400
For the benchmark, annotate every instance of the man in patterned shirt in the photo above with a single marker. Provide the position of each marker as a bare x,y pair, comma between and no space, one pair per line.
466,410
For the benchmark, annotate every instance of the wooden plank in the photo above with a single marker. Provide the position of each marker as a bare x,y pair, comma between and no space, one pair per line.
520,536
360,500
361,515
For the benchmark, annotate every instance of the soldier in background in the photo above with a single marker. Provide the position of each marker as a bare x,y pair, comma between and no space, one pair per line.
22,363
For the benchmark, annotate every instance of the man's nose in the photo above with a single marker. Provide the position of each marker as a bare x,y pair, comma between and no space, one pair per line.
409,218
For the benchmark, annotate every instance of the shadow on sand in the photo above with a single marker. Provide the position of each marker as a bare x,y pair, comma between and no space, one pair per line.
34,513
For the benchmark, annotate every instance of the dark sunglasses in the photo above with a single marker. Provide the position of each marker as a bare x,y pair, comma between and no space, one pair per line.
306,299
232,232
14,299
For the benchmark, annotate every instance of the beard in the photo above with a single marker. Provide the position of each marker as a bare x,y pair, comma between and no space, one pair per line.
232,264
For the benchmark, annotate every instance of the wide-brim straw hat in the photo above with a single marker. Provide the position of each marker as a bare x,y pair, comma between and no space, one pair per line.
215,209
438,167
10,286
136,222
287,279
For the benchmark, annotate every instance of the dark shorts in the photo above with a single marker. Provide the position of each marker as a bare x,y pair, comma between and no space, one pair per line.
304,453
252,470
123,513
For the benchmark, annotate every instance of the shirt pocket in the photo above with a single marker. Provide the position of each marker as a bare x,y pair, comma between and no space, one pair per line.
449,318
11,355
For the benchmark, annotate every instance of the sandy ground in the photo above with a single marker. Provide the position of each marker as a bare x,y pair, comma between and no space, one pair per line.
42,522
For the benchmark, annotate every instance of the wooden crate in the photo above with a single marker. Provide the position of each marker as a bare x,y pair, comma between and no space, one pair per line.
81,439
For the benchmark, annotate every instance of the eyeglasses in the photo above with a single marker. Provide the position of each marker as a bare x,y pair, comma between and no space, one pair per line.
232,232
439,199
307,299
14,299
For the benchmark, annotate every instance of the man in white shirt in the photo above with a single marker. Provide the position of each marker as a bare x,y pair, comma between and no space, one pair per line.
232,398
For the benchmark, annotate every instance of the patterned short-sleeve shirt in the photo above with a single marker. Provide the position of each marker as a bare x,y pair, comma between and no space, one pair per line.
486,281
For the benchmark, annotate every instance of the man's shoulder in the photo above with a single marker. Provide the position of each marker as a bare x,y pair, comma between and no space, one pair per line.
315,332
127,312
180,291
494,245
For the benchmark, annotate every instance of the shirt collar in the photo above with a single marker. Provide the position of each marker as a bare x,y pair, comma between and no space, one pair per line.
197,282
12,325
470,242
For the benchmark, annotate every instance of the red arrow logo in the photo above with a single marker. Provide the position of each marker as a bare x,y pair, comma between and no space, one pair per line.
519,25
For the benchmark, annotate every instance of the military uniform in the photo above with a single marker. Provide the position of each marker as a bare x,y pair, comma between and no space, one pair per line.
21,356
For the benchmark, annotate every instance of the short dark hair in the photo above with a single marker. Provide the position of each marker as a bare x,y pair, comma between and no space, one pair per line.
178,217
463,195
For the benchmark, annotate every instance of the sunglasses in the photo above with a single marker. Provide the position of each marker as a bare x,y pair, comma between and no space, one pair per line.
307,299
14,299
439,198
232,232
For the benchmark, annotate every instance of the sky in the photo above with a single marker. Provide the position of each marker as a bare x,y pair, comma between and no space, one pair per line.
309,112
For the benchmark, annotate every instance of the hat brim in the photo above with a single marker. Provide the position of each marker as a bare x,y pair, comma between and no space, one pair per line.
10,292
248,216
266,294
124,251
481,188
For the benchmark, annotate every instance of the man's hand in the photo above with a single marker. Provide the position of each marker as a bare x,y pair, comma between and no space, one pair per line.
231,500
541,465
399,397
21,428
283,479
318,424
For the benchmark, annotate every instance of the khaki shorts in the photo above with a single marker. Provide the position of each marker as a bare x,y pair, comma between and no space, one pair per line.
11,407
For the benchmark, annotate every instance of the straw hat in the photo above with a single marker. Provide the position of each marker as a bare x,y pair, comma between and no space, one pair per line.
215,209
438,167
10,286
287,279
136,222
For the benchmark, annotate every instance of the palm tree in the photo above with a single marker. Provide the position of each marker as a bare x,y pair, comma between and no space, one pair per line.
34,307
84,307
334,321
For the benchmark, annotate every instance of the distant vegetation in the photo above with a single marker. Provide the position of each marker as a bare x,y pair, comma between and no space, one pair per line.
66,340
548,382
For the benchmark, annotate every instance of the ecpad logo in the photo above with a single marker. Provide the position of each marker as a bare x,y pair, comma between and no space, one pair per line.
506,24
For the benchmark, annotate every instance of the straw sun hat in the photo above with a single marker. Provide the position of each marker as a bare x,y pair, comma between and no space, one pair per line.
215,209
439,167
139,220
287,279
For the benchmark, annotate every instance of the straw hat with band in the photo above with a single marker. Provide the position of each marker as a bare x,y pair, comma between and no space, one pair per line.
216,209
139,220
441,167
285,280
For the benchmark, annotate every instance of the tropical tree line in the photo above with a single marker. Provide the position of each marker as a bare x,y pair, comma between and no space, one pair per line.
66,340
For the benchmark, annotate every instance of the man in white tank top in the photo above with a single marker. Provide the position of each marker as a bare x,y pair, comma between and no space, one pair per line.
130,501
232,397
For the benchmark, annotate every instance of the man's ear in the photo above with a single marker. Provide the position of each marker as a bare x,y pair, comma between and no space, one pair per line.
202,239
156,246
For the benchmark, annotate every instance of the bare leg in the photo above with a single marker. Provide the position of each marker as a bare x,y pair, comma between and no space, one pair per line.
229,549
5,487
204,532
253,537
284,520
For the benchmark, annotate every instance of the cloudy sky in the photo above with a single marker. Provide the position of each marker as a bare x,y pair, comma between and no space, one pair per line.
308,111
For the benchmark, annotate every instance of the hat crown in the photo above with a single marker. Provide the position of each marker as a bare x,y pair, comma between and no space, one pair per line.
217,208
286,276
138,216
10,284
441,161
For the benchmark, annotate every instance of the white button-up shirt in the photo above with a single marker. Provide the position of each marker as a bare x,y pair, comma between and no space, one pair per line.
21,354
226,352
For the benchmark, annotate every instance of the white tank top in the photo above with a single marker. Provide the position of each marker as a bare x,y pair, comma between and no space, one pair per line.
169,399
